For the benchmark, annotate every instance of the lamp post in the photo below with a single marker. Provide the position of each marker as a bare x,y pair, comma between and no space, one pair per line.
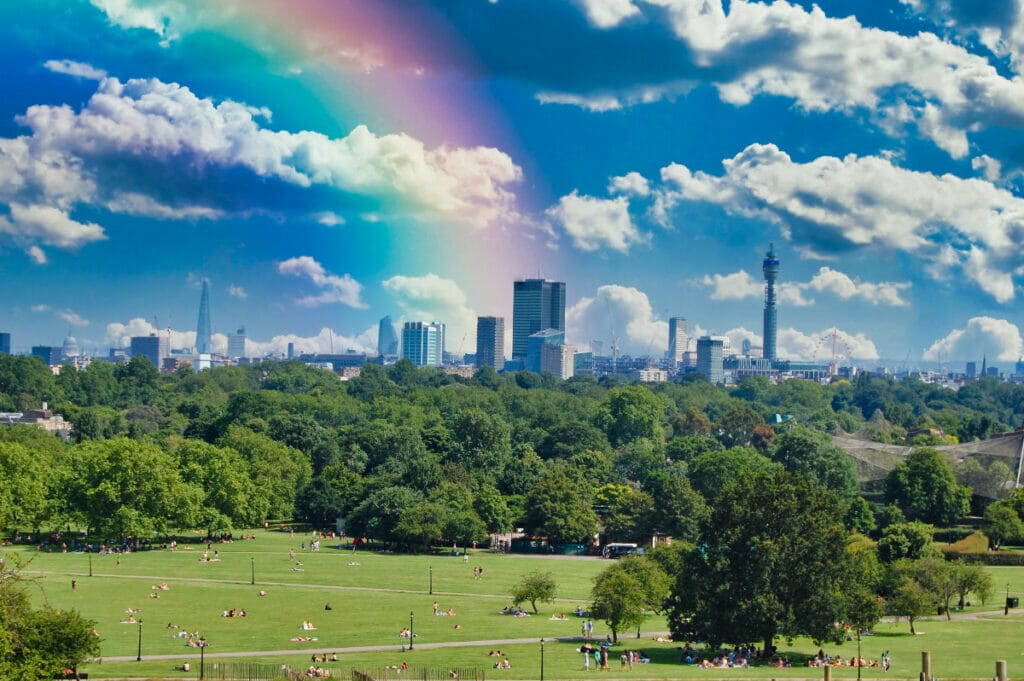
431,579
202,659
859,658
90,565
1006,604
411,635
138,658
542,660
252,564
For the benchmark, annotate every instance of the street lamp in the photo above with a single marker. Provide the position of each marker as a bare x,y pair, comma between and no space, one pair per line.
1006,606
542,660
411,635
859,658
138,658
431,579
90,565
202,659
252,564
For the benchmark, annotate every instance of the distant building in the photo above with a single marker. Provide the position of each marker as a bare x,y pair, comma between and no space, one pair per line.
236,344
490,342
709,358
677,338
69,350
5,343
536,341
203,333
423,343
336,362
152,347
41,418
291,351
770,268
537,304
583,363
652,375
972,370
387,339
50,354
557,360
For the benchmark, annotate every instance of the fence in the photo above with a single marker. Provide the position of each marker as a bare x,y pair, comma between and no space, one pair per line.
418,674
248,671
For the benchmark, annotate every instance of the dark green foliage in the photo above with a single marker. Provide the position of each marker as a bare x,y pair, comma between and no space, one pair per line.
924,488
534,586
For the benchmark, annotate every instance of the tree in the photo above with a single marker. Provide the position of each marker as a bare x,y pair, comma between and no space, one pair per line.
617,598
736,427
906,540
557,510
534,586
859,516
1002,523
711,472
765,564
907,592
679,510
971,579
925,489
278,471
39,643
803,450
632,413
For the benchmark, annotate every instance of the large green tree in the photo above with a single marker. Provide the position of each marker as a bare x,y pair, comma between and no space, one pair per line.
769,561
618,598
556,509
925,489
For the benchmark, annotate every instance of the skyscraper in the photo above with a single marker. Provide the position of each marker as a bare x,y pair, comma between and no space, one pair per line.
535,347
537,304
5,343
387,339
770,267
677,338
153,347
709,358
51,355
236,344
423,343
490,342
203,332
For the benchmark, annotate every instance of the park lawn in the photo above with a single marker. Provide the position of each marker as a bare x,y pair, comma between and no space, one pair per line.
371,601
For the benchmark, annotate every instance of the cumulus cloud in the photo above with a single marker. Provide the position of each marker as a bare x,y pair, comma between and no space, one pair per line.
740,285
996,24
430,298
237,291
73,318
991,168
833,205
335,289
76,69
608,13
637,328
794,344
997,339
595,223
154,149
119,334
630,184
37,255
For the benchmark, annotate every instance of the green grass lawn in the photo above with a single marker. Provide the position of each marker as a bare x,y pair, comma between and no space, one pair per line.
372,600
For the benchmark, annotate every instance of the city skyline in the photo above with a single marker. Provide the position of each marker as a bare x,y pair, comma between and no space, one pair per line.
323,165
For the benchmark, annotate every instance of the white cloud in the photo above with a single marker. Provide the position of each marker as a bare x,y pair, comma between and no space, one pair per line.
37,255
630,184
741,285
237,291
638,329
75,68
343,289
833,205
996,24
794,344
329,218
119,335
991,168
41,308
608,13
73,318
432,298
997,339
49,225
595,223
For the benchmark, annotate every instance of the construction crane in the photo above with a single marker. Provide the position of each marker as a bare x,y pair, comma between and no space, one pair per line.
615,339
458,355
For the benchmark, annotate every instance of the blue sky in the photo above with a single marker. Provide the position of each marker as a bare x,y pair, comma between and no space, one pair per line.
324,164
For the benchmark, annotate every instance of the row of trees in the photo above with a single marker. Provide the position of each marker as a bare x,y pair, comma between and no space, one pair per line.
773,558
411,456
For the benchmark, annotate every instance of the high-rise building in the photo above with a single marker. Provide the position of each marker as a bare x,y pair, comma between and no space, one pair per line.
423,343
153,347
203,333
535,344
387,339
291,350
557,360
236,344
972,370
537,304
770,267
677,338
5,343
50,354
490,342
709,358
